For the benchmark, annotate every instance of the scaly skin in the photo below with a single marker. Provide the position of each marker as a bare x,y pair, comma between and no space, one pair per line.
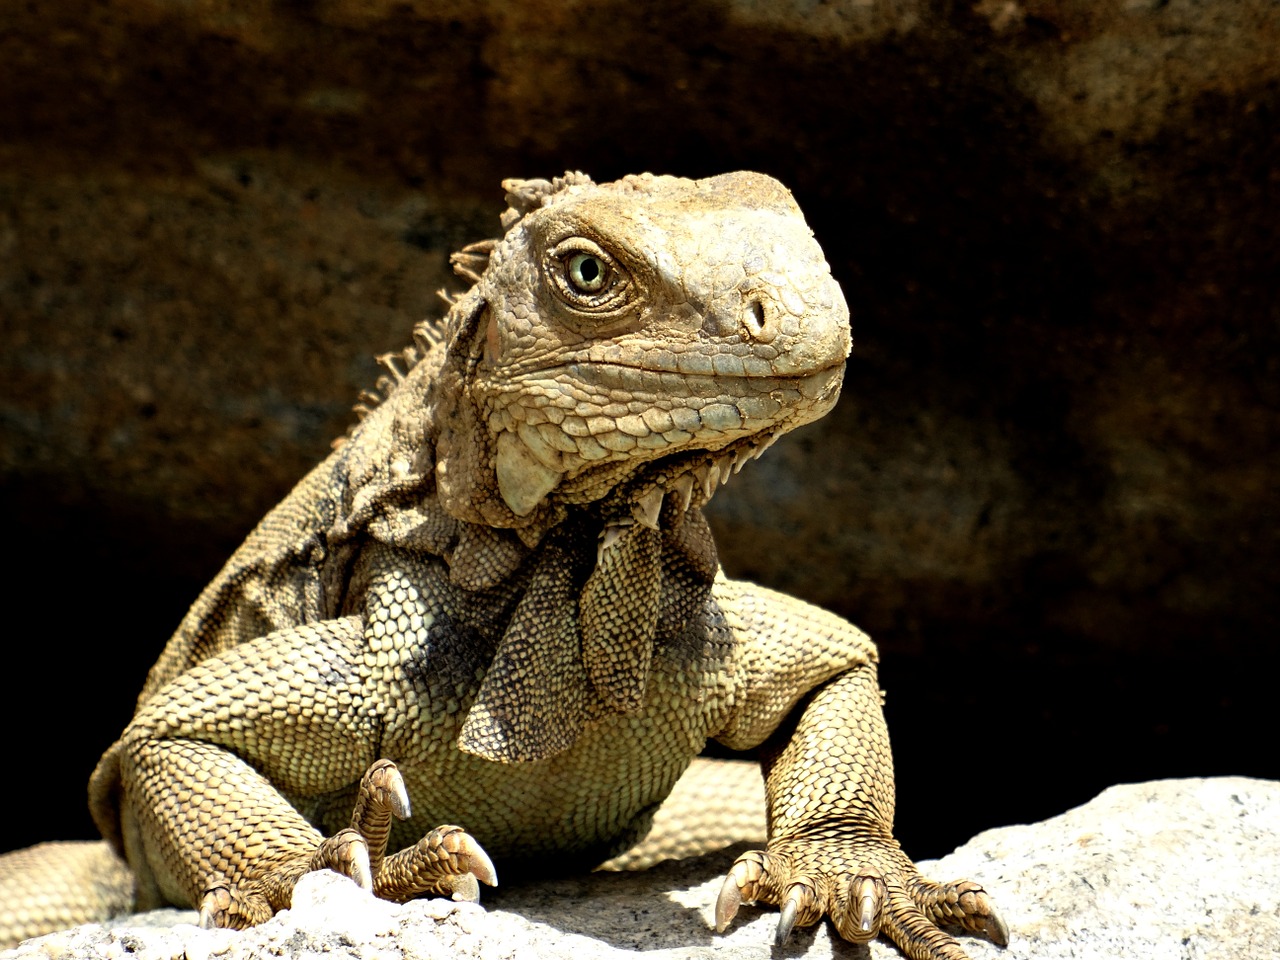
497,607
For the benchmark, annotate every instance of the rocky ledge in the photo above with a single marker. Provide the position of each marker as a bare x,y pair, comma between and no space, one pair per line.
1166,870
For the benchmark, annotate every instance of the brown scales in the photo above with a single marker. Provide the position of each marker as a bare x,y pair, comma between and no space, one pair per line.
490,628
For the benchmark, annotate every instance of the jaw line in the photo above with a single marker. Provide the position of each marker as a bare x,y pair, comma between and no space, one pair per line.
612,374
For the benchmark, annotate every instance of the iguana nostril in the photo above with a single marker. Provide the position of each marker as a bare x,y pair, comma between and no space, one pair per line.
753,318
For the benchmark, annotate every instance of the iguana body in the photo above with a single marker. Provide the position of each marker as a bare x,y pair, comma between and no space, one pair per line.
502,583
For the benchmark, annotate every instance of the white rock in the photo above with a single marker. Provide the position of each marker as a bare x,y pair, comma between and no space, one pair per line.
1169,870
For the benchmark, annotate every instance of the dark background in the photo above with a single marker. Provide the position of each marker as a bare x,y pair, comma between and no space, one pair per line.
1049,490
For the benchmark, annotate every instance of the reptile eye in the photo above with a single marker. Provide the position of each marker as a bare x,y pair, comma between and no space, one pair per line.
587,272
587,277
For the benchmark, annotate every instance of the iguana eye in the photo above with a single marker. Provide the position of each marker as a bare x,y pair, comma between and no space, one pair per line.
587,272
587,277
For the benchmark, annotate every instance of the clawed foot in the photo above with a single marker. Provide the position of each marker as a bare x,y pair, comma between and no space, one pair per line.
871,889
446,862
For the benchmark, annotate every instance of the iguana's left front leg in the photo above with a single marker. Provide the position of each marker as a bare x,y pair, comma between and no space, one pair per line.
829,782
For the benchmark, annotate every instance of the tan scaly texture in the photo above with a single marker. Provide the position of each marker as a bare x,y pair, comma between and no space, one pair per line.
491,629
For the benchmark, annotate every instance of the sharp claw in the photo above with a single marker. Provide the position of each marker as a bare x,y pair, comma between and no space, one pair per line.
482,868
995,929
728,902
399,797
208,919
383,784
980,915
360,871
216,900
867,915
787,920
466,889
868,894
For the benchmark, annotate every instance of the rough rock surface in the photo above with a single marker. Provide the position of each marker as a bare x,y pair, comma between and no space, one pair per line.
1166,870
1052,473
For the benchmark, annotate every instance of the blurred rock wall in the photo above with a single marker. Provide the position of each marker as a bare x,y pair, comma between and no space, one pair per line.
1049,489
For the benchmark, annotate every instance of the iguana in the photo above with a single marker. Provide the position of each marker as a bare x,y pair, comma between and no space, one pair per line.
498,598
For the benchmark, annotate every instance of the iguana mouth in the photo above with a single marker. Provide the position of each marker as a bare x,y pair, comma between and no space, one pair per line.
723,366
751,377
685,480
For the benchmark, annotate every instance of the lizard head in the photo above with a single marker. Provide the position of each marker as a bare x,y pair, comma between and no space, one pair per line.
634,340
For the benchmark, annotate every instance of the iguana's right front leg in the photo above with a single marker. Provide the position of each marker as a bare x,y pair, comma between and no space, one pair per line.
446,862
201,770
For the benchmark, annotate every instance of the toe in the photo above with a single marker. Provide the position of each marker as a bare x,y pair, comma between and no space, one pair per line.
436,864
748,880
915,933
859,914
964,904
471,856
347,853
231,907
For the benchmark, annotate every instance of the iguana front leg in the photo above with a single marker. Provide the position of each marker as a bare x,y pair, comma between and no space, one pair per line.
445,862
829,783
200,770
